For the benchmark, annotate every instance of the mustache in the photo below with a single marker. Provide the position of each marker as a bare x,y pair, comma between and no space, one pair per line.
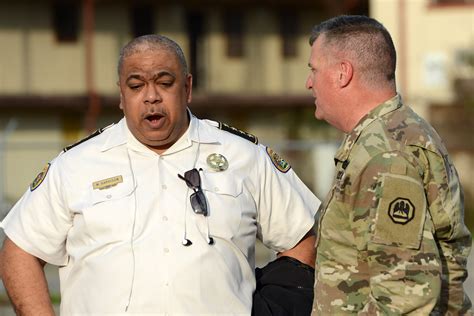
154,113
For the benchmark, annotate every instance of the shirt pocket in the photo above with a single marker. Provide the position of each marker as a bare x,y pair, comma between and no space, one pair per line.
109,213
223,194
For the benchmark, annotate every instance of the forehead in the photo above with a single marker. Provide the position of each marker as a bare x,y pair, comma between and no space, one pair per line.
321,52
150,60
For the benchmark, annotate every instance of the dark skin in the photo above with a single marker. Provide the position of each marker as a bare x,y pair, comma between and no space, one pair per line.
23,277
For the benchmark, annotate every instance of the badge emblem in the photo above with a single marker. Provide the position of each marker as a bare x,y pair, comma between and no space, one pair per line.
401,211
278,162
217,162
39,178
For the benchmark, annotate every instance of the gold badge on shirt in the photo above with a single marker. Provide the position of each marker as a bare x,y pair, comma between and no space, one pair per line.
217,162
107,183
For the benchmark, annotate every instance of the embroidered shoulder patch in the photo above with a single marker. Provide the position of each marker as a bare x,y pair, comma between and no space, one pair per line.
238,132
97,132
401,212
278,162
39,178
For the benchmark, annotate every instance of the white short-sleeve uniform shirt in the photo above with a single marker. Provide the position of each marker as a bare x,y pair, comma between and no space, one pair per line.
113,214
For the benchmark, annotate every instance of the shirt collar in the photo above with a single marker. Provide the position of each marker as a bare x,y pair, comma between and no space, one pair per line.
117,137
197,131
351,138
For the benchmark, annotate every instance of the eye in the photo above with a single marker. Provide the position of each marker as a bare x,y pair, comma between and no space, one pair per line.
135,86
165,83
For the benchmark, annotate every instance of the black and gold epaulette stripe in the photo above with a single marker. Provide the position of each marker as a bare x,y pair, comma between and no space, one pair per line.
97,132
238,132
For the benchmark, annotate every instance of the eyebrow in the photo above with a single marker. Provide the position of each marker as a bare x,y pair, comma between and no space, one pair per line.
158,75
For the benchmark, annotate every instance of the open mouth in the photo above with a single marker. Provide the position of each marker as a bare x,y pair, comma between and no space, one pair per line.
154,119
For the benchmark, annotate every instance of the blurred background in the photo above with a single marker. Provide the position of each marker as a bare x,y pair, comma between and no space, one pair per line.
249,62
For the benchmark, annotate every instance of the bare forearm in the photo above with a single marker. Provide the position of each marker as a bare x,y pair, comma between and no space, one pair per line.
23,277
304,251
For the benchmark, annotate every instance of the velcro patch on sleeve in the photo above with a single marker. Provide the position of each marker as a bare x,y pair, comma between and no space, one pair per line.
400,213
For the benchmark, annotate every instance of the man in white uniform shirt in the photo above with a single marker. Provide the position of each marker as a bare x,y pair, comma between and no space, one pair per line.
159,213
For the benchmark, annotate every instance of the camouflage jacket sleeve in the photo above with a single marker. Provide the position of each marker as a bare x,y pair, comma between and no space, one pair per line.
401,260
446,206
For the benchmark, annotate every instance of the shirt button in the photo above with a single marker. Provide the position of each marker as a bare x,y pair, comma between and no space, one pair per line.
164,187
216,189
109,196
166,250
164,218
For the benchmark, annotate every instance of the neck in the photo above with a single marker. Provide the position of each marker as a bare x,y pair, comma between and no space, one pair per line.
362,102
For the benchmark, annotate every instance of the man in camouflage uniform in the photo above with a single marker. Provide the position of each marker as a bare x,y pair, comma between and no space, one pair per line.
391,235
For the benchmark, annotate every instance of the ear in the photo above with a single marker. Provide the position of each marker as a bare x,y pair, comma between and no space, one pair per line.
346,71
121,95
121,101
188,85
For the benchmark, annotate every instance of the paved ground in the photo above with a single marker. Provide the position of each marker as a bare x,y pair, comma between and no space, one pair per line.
262,257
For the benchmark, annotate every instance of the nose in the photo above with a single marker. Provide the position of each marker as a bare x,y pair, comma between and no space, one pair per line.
309,82
152,95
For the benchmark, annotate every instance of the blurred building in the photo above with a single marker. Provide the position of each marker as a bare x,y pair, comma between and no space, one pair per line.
435,71
249,62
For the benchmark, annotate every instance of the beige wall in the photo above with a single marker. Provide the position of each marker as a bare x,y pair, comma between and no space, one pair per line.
433,38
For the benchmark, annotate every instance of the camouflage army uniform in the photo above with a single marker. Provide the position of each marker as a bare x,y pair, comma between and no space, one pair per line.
392,239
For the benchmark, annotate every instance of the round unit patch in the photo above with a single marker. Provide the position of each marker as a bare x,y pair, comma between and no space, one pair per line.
401,211
278,162
39,178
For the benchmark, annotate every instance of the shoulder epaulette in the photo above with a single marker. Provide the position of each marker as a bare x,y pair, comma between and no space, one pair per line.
94,134
238,132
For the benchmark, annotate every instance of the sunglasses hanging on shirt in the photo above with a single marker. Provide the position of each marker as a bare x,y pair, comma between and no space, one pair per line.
197,199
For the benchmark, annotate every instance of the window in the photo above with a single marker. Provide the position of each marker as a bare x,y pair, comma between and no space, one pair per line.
233,28
288,27
142,20
65,15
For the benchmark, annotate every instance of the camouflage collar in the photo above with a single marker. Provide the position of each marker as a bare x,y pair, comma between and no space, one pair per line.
350,139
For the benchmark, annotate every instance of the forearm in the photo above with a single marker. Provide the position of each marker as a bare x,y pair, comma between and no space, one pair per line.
23,277
304,251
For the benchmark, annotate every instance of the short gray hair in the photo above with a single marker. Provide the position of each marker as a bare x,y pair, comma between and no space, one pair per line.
152,42
367,39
